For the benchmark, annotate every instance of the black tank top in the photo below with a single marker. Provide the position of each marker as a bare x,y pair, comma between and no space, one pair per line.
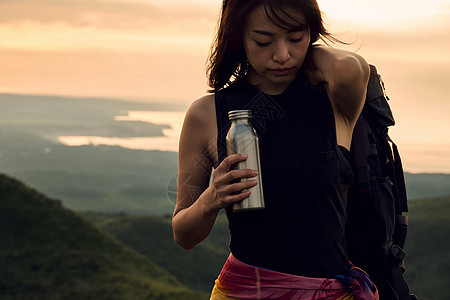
305,180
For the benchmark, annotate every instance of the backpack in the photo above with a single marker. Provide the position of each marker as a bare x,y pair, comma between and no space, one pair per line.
376,228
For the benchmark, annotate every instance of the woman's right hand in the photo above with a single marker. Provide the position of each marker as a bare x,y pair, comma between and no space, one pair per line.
226,186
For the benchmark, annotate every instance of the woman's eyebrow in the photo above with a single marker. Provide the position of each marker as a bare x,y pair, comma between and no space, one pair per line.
263,32
267,33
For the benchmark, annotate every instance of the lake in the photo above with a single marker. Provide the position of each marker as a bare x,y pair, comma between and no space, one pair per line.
168,142
420,150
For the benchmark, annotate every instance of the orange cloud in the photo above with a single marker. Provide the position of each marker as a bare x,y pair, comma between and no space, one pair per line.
107,14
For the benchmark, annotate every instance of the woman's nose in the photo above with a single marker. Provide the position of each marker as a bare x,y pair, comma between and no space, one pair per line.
281,52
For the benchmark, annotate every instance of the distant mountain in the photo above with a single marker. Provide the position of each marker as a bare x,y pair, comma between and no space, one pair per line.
86,178
426,185
48,252
105,178
115,179
52,116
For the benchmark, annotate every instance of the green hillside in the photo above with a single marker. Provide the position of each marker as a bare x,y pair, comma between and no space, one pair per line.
49,252
103,178
152,236
428,248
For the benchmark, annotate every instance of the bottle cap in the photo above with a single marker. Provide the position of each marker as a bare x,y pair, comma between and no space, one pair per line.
243,113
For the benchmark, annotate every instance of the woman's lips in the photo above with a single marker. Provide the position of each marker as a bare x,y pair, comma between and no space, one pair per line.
282,71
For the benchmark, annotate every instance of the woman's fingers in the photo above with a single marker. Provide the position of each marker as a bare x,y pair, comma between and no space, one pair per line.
224,174
230,199
235,192
229,161
232,185
235,175
239,186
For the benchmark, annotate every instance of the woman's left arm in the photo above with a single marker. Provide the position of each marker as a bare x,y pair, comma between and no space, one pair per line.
346,74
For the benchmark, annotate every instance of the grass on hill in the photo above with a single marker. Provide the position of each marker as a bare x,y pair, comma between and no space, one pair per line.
152,237
428,248
49,252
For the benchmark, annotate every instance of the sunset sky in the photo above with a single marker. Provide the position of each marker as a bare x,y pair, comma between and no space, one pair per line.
155,50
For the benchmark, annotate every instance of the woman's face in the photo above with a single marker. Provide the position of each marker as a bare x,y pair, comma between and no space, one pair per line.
275,54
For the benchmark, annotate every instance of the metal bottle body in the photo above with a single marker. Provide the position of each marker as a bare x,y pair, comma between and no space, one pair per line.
242,139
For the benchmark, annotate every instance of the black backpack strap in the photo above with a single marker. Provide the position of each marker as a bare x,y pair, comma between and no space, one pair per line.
399,181
361,150
396,253
399,282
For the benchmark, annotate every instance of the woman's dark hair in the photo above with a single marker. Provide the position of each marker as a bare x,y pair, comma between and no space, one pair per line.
227,61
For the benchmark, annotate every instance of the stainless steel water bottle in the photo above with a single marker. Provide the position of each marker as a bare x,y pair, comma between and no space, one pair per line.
242,139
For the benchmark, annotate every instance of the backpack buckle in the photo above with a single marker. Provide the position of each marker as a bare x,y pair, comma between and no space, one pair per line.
398,253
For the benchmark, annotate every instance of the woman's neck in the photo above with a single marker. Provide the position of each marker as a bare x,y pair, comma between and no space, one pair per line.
269,88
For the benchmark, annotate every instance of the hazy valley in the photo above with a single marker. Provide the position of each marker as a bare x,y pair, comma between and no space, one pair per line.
108,233
107,178
50,252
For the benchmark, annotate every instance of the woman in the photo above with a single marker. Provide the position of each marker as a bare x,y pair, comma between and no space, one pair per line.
306,100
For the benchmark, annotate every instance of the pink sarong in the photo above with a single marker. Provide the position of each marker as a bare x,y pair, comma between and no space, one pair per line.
238,280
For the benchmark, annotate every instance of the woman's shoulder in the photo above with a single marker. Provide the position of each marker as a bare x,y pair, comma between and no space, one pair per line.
201,115
199,132
201,109
202,103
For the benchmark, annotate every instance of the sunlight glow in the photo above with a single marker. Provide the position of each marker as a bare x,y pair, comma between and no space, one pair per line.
382,13
60,36
157,49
